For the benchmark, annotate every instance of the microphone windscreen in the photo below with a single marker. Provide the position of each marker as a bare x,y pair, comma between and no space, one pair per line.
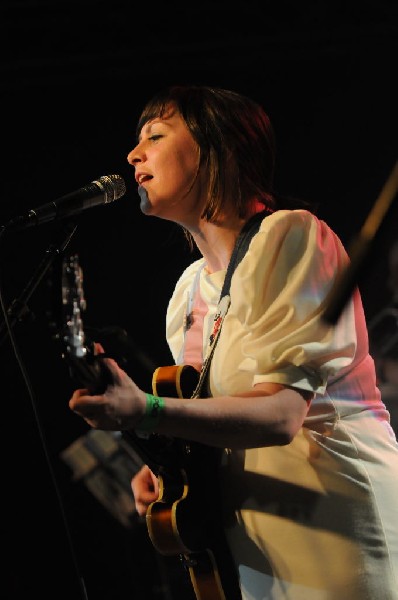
113,187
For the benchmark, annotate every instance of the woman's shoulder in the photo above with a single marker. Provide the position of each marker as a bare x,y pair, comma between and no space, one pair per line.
286,215
293,233
283,221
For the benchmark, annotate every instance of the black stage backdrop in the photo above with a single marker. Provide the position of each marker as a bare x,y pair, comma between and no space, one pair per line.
74,77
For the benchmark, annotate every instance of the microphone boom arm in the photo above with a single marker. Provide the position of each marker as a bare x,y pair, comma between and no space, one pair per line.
18,308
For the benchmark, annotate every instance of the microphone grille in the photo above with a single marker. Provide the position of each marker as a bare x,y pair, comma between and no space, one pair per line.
113,186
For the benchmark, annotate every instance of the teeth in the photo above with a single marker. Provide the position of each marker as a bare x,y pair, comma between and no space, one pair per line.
141,178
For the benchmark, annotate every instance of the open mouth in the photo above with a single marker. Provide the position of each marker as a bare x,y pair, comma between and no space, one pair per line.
143,178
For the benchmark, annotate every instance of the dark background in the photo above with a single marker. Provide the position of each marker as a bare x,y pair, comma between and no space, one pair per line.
74,77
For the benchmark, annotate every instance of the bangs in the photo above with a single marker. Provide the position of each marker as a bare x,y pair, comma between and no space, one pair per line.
156,108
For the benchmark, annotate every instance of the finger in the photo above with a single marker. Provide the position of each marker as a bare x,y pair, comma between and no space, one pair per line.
82,403
141,508
98,348
77,394
117,373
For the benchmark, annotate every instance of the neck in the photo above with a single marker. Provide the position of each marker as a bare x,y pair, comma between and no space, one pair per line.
216,241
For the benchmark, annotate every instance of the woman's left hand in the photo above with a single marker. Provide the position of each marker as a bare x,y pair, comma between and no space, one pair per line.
120,407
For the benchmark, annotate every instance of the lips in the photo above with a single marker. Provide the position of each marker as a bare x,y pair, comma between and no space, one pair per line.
142,178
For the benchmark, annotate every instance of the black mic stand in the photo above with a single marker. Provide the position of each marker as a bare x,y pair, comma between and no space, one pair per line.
359,250
18,309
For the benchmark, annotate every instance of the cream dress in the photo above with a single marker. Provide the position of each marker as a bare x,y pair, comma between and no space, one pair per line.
316,519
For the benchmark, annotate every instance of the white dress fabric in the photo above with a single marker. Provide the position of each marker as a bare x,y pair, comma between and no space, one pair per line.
316,519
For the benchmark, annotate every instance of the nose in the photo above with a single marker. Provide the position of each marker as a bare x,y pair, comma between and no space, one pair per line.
134,156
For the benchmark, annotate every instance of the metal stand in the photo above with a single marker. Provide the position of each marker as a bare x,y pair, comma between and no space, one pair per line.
18,309
360,249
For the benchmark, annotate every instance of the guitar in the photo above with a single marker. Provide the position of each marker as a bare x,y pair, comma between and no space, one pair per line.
186,519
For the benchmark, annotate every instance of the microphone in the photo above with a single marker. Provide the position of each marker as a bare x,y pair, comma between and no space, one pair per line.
104,190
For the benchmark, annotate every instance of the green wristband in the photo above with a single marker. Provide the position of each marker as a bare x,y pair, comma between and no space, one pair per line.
153,413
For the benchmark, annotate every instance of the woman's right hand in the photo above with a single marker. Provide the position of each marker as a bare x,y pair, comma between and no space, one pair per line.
145,488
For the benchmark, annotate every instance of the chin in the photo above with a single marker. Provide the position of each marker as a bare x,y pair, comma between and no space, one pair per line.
145,204
146,208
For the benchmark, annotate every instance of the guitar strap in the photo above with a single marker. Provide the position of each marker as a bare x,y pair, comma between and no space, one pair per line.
250,228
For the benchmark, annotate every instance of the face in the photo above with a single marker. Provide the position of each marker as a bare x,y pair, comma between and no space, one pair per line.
166,161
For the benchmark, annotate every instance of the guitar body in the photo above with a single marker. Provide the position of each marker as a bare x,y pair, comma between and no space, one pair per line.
185,520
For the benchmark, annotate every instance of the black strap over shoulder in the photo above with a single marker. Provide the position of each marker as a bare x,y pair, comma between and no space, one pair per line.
250,228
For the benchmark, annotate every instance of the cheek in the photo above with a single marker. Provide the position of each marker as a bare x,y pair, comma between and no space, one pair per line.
187,163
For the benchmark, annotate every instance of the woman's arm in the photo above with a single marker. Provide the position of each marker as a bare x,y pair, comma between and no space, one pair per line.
267,415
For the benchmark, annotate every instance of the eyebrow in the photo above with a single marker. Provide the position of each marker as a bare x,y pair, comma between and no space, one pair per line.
156,120
148,126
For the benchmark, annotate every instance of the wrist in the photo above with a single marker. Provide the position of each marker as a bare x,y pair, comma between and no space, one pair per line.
153,413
